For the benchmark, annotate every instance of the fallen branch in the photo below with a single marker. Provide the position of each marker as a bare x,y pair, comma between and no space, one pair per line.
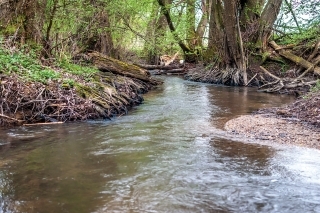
298,60
105,63
7,117
158,67
301,84
251,79
313,54
49,123
173,71
268,73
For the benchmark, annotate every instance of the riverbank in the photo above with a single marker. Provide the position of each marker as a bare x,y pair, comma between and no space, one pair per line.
32,93
296,124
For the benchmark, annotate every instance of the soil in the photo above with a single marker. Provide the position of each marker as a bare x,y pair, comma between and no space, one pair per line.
295,124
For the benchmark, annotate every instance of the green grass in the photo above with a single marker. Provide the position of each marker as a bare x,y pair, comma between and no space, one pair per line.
80,70
28,67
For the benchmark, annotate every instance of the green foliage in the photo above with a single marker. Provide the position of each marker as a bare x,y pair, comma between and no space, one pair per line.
316,88
26,66
80,70
68,83
307,35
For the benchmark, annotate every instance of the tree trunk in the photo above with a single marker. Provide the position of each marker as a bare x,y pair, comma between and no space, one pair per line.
232,46
27,16
191,24
102,41
236,25
268,17
155,35
108,64
216,42
206,5
189,54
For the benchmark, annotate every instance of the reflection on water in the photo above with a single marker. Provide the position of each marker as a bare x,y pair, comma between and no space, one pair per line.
168,155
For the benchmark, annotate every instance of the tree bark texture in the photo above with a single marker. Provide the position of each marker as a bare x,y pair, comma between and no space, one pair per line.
268,17
108,64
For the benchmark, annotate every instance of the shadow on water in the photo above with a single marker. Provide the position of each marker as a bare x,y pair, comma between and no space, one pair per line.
168,155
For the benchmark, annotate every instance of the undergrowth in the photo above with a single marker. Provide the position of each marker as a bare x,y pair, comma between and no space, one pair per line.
29,68
306,35
26,65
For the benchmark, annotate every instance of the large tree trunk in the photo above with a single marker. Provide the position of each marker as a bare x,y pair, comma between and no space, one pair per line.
105,43
214,52
191,24
232,54
234,25
267,19
206,5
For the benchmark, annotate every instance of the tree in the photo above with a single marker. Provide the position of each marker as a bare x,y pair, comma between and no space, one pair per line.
236,26
192,38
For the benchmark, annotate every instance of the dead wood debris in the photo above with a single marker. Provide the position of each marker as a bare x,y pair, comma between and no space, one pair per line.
305,110
174,68
230,76
30,102
23,102
298,79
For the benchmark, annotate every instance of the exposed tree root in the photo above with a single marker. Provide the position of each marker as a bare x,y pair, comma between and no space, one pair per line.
275,80
228,76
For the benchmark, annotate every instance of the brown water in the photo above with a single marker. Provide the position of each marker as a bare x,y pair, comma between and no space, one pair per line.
168,155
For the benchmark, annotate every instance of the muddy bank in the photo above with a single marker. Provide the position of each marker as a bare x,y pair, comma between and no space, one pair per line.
296,124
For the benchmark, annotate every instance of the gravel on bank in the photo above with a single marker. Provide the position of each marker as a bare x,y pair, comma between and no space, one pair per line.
275,129
296,124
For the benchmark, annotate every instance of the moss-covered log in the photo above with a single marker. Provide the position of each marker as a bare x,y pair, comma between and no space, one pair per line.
106,63
296,59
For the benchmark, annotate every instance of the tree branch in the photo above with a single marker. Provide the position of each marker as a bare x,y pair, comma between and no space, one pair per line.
166,13
298,60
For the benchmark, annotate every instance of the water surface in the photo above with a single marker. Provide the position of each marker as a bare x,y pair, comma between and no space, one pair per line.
170,154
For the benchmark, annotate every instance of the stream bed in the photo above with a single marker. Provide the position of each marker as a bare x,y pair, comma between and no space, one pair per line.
169,154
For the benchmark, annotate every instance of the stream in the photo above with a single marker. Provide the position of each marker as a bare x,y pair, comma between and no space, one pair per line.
169,154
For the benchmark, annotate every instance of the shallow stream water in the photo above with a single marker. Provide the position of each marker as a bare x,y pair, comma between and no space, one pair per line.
169,154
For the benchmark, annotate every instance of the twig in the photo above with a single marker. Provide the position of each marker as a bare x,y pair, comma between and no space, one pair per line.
49,123
251,79
268,73
7,117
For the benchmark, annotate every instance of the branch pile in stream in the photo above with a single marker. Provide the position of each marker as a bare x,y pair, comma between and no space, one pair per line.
230,76
108,95
172,69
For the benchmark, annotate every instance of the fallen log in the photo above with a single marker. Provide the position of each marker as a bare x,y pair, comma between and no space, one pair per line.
107,64
173,71
268,73
159,67
298,60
